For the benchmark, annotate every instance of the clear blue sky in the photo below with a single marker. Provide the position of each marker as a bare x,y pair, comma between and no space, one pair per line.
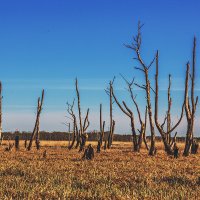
46,44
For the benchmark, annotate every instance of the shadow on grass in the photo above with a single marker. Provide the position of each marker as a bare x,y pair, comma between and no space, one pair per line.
12,172
173,180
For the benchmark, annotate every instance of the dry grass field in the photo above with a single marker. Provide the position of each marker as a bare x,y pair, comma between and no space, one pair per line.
113,174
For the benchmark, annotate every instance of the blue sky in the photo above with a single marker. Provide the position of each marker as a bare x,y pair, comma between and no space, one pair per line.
46,44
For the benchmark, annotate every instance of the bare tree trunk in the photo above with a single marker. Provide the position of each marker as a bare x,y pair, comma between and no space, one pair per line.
102,127
73,136
81,136
78,139
148,96
112,122
39,109
113,129
134,136
169,150
190,109
79,108
69,132
37,138
70,110
84,135
144,133
111,119
169,112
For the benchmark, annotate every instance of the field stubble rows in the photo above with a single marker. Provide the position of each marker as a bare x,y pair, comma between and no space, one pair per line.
113,174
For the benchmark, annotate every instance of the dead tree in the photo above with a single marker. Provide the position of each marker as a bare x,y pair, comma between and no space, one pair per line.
176,151
112,122
135,46
137,140
37,136
1,137
190,102
36,127
69,133
165,135
102,127
98,147
25,143
82,136
169,110
79,108
89,153
70,110
194,147
145,125
17,142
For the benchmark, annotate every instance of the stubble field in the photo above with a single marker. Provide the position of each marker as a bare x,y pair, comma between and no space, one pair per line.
113,174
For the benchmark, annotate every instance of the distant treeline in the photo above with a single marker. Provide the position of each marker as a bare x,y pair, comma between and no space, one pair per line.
63,136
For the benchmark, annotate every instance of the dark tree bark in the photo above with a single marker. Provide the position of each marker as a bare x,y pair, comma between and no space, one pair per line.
39,109
101,134
112,122
190,108
17,142
70,110
81,136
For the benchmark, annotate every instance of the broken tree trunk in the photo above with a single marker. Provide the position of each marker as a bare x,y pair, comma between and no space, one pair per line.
79,108
37,137
102,127
70,110
69,132
190,109
169,111
39,109
112,122
111,119
169,150
144,134
84,136
81,136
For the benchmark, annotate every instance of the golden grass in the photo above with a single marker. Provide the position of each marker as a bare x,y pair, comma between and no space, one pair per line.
113,174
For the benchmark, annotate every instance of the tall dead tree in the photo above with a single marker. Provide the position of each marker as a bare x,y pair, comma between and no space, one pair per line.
36,127
190,102
70,110
1,137
79,108
136,47
102,127
69,133
169,110
112,122
82,136
37,136
165,135
137,139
